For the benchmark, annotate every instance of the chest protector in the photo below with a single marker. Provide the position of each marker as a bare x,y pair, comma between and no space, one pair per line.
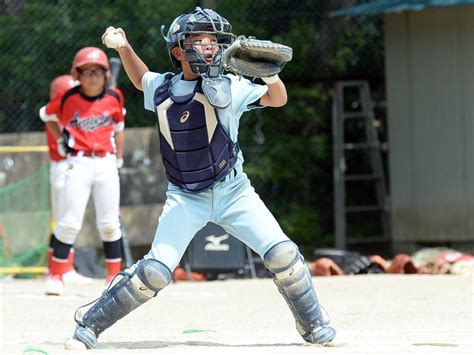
196,150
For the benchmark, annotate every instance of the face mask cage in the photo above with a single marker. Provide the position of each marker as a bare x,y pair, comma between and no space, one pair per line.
196,53
199,22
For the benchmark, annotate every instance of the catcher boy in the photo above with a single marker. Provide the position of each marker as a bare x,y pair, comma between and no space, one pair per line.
198,112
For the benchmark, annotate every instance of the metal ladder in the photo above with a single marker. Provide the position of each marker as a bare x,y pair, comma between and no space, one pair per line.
368,146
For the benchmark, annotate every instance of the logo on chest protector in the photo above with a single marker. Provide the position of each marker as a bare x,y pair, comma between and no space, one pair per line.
184,117
222,163
215,243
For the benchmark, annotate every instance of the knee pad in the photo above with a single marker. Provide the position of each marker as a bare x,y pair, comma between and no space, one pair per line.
130,292
287,265
292,277
154,274
283,260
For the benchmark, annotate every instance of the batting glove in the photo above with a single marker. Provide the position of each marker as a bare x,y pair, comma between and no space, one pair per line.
119,163
61,147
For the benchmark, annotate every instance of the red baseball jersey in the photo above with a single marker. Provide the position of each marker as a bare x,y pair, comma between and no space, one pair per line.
89,121
53,146
50,140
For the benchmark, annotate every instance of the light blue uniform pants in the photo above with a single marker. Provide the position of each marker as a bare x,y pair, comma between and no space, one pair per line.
232,204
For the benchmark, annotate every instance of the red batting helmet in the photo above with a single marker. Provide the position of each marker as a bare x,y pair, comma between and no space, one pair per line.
60,85
90,55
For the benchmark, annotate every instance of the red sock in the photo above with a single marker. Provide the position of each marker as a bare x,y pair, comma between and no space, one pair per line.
113,267
58,266
69,262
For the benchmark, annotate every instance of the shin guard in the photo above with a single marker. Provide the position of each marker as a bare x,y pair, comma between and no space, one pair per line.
293,280
130,292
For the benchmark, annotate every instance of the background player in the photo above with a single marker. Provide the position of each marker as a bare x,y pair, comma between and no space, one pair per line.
198,115
57,175
93,135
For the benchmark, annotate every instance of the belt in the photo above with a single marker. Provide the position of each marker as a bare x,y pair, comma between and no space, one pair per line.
232,173
89,153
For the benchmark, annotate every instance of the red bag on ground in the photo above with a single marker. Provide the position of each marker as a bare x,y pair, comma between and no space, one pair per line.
180,274
325,267
402,264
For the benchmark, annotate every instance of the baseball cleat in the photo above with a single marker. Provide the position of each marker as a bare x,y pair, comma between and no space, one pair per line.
54,285
73,277
320,335
85,336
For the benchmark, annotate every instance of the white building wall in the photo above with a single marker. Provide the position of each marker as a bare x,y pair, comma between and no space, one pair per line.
430,93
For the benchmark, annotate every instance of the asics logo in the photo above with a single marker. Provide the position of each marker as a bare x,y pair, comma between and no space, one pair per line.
184,117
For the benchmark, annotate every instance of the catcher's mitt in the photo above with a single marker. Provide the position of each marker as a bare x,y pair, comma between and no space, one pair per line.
256,58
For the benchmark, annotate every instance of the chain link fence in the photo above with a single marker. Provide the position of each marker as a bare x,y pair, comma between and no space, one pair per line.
39,39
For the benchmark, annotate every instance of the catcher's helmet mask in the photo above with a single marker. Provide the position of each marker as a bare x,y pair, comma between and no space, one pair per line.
195,23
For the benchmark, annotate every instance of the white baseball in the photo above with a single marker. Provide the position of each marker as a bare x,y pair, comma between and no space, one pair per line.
114,40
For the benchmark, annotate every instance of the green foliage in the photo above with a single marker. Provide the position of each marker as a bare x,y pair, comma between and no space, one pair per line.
293,170
362,36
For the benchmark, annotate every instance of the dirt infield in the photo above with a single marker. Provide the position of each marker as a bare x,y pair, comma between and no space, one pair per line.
373,314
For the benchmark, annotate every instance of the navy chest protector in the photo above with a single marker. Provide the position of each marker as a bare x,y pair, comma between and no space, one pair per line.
196,150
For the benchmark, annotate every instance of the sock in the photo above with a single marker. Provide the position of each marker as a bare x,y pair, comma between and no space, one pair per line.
58,259
113,257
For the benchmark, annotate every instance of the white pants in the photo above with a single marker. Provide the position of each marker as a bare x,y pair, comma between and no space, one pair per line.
83,176
57,178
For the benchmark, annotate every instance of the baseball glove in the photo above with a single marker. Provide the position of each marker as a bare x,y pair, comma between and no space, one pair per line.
248,56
